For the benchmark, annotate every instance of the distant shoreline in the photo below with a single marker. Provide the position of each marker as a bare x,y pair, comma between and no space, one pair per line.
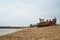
11,27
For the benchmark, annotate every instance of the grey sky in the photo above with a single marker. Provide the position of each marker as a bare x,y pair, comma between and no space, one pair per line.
24,12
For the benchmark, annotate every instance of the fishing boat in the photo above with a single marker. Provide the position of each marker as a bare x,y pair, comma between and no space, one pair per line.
45,23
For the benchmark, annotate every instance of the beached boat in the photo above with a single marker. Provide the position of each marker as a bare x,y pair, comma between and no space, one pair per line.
45,23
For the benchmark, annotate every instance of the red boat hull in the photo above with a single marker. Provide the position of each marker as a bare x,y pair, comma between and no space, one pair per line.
46,23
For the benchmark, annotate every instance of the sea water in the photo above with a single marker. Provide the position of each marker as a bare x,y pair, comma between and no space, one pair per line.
7,31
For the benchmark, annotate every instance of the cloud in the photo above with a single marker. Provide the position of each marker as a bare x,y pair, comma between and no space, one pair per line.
24,12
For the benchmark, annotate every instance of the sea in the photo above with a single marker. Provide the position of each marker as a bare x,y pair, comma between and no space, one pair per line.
8,31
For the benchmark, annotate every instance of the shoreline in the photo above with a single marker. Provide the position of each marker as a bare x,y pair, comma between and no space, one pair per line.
35,33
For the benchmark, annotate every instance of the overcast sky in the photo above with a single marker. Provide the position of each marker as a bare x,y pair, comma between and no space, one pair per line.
25,12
